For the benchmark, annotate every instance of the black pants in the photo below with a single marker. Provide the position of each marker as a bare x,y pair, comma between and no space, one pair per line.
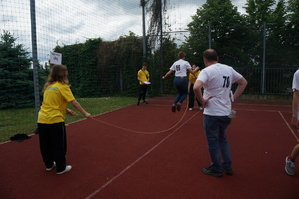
191,98
142,93
52,140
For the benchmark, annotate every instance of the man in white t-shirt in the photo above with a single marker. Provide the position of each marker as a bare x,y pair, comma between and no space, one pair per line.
290,160
180,67
217,79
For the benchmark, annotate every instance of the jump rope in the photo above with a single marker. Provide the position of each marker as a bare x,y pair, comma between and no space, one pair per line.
231,115
141,132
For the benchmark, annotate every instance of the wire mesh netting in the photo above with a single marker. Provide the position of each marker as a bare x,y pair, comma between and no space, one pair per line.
103,46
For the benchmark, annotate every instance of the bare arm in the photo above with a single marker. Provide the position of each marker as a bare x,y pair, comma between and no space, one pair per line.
295,151
77,106
167,74
191,71
242,83
197,90
295,104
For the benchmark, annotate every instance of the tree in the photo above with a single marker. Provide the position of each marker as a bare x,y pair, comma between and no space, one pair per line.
293,17
258,14
229,33
259,11
16,81
276,34
156,8
293,30
157,70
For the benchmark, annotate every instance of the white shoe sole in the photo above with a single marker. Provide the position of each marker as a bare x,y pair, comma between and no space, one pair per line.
67,169
50,169
285,168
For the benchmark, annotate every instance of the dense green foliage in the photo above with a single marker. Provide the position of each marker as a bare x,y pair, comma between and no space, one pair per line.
16,80
98,68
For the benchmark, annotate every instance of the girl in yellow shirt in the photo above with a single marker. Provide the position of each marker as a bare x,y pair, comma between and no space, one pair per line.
51,126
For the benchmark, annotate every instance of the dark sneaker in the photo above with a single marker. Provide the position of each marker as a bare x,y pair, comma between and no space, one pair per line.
209,171
138,103
173,108
145,102
178,106
228,171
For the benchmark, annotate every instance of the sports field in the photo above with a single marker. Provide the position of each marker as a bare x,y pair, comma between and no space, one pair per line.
148,152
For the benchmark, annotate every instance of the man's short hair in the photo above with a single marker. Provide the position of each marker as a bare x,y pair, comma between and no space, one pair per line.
210,55
181,55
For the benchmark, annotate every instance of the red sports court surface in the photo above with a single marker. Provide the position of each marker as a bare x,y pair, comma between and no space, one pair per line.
148,152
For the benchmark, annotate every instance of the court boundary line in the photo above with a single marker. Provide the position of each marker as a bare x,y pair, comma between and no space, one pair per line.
290,128
139,159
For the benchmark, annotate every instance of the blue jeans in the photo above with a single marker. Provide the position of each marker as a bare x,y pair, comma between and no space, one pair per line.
215,127
181,85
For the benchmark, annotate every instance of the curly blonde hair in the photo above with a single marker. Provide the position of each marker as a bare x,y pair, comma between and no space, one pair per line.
58,73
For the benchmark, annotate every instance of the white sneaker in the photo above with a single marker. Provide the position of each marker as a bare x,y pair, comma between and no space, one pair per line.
50,168
67,168
200,108
290,167
190,109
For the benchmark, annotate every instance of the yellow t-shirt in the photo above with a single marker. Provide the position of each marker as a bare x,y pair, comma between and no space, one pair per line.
192,78
143,76
53,109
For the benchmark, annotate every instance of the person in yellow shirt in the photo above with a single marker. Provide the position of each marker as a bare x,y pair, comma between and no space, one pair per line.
143,78
192,78
51,126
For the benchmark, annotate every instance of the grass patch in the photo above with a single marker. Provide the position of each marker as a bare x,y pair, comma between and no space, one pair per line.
15,121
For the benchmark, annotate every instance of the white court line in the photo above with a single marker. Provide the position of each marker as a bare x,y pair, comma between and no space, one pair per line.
294,134
136,161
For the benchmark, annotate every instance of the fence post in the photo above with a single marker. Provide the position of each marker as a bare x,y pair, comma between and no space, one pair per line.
264,58
34,57
143,29
210,37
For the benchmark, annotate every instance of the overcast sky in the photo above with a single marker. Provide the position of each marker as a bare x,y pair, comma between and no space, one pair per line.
73,21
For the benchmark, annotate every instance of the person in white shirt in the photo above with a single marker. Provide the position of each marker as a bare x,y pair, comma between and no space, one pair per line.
290,160
217,79
180,68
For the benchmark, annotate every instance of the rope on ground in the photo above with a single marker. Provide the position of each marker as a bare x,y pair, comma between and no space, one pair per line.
143,132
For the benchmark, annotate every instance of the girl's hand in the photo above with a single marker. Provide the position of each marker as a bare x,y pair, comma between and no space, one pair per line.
87,115
70,112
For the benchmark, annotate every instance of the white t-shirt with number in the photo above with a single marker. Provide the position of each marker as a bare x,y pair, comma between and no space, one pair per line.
217,81
180,67
295,85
